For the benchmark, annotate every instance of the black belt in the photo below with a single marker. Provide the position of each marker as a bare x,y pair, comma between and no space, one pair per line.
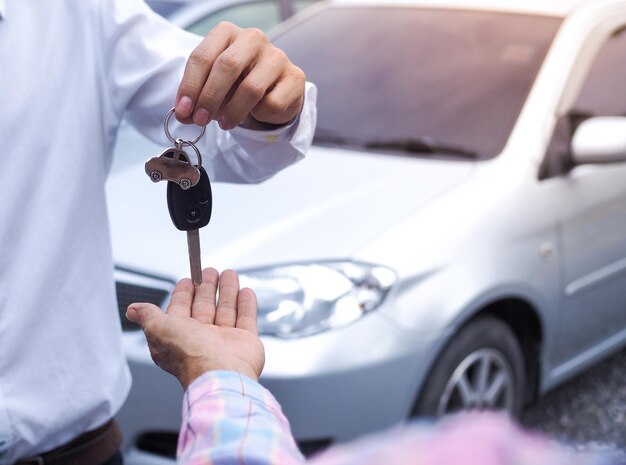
91,448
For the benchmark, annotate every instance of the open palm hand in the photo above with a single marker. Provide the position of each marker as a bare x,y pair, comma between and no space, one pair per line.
199,333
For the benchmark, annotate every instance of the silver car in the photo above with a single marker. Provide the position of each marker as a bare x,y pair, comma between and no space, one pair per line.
456,238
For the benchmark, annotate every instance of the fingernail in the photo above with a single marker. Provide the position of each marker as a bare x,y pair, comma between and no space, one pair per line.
201,117
184,106
224,124
131,313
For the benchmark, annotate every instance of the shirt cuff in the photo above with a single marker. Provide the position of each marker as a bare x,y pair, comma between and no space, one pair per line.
273,135
228,383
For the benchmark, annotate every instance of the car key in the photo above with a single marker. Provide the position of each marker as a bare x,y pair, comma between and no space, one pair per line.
190,209
189,197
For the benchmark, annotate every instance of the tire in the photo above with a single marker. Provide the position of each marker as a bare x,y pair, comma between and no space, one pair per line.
156,176
485,349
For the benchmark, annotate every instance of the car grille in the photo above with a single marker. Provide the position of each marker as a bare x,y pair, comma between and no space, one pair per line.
134,287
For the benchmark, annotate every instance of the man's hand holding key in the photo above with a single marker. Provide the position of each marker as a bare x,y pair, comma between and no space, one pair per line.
237,76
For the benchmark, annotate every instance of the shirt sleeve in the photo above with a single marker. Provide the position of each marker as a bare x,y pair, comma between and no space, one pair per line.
144,58
228,418
467,439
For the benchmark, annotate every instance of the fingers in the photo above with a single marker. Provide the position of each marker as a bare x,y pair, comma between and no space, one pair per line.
234,308
145,315
203,307
235,72
197,70
214,67
247,311
226,71
283,103
248,93
226,311
182,298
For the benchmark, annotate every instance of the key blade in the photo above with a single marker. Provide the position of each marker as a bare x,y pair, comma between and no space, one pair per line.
193,244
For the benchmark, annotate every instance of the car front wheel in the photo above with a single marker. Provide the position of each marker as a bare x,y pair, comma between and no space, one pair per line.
482,368
156,176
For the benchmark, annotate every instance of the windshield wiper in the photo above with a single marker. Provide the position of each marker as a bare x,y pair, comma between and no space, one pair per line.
328,136
332,140
422,145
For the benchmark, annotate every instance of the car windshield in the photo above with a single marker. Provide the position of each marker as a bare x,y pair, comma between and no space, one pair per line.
399,78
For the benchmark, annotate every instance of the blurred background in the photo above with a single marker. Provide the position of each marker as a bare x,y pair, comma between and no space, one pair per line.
455,239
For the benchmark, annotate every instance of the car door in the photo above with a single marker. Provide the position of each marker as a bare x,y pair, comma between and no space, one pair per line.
592,220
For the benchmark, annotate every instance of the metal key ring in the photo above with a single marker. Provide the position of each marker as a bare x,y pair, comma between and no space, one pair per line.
188,143
166,124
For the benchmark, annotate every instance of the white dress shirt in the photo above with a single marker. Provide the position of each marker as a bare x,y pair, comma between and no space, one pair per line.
69,71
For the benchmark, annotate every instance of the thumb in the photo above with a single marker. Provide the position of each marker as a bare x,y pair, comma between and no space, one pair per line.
143,313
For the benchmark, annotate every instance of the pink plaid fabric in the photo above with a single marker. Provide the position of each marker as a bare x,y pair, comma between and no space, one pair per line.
230,419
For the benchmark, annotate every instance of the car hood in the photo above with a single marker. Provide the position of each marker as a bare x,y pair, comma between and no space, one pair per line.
324,207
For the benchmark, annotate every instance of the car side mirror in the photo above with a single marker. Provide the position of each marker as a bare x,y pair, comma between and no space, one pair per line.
600,140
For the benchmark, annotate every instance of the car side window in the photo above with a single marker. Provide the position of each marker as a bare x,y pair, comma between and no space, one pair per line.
603,94
604,90
260,14
299,5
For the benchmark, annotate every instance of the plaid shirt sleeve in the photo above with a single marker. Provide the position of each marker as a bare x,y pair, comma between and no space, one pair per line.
230,419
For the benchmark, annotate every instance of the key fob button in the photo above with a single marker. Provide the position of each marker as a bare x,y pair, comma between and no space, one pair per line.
193,215
203,197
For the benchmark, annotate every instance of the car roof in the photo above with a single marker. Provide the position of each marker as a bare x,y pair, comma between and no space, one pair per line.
559,8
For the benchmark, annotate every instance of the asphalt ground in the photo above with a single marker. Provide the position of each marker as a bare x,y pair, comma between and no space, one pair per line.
587,412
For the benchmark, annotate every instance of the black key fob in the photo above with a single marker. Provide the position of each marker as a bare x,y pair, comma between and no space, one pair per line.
190,209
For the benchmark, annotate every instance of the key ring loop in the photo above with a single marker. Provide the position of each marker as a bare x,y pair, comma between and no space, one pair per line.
188,143
166,124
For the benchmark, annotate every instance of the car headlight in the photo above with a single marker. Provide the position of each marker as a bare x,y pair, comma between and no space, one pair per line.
303,299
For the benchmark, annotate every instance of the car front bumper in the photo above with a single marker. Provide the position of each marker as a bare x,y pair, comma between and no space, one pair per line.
333,386
341,384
